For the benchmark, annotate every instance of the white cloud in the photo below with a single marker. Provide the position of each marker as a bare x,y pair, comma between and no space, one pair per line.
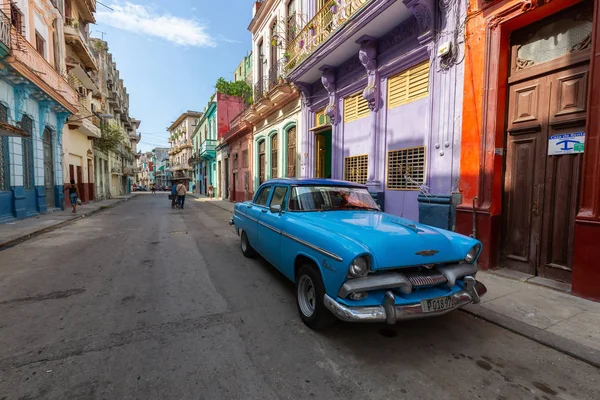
139,19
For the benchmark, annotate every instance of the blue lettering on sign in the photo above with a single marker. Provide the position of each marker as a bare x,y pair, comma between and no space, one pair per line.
566,143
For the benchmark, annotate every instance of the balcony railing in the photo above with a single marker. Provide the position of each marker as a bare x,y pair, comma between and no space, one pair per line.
260,89
207,148
275,73
5,30
317,31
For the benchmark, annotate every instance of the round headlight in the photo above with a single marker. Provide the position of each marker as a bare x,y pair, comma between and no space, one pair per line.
472,254
359,267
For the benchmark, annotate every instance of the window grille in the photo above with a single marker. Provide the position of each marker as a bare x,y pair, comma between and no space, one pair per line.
321,119
291,152
356,168
406,168
355,107
274,156
27,126
409,85
4,181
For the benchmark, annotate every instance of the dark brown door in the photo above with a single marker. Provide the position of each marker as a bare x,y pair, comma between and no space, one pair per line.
48,169
79,182
547,97
262,159
90,180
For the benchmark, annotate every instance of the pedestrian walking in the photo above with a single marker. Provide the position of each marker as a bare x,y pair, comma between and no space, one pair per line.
153,189
194,188
210,191
181,191
73,195
173,196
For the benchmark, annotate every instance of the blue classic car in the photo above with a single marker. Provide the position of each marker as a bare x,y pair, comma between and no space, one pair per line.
350,260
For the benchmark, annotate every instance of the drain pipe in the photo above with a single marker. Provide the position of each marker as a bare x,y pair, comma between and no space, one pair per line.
474,233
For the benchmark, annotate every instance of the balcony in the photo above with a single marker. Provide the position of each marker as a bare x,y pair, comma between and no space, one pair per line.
29,63
186,145
85,122
78,42
320,28
208,149
4,35
116,170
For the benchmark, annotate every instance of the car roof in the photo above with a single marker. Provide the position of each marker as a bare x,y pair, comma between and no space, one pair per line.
313,181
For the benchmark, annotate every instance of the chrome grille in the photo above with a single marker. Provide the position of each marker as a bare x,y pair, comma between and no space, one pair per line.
425,277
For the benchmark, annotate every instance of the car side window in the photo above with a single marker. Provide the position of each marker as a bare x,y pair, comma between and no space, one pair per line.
278,196
263,196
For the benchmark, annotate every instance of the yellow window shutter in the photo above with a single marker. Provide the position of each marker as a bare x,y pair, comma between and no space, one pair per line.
409,85
355,107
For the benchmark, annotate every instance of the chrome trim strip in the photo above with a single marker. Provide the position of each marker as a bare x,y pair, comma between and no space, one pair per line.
390,280
312,246
247,216
390,314
269,227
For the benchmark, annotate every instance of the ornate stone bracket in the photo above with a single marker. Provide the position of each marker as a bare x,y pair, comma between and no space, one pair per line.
424,12
304,89
44,108
328,81
368,58
22,93
61,119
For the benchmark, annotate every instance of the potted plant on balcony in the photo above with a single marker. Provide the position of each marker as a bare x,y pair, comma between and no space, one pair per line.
301,43
286,56
312,29
334,6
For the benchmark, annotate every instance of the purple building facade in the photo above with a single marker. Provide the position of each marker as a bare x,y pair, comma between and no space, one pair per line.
382,100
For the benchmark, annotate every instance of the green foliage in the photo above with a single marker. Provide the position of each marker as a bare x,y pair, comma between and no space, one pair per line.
110,139
239,88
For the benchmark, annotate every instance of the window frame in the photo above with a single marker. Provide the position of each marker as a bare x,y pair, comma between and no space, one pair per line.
283,200
387,169
357,159
259,192
39,40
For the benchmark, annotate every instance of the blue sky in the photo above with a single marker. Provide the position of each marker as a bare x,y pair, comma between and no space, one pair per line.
170,53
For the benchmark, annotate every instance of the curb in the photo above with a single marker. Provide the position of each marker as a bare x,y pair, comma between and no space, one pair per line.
566,346
13,242
213,203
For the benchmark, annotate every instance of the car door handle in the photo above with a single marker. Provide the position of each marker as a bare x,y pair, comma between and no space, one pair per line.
263,211
249,206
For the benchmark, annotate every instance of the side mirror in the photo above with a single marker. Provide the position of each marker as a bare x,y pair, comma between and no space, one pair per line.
276,209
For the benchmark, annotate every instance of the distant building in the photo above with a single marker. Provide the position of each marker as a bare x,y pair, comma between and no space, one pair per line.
180,133
243,72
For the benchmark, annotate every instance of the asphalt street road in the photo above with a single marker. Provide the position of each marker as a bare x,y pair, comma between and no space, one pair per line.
144,302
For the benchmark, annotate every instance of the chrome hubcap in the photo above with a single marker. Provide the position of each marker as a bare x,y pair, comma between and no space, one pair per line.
307,296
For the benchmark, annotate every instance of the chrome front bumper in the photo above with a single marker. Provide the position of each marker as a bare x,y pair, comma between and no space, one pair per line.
390,312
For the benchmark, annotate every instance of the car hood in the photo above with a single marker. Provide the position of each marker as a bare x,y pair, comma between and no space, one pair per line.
393,241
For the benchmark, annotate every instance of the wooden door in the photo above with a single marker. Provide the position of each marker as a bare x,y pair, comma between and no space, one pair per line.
79,182
90,180
262,159
547,97
48,169
291,152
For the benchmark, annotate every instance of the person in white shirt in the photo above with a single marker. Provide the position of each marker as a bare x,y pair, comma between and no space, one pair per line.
181,191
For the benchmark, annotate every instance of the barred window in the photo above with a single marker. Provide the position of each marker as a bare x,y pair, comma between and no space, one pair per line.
245,159
406,168
4,181
274,148
409,85
27,125
356,168
291,152
355,107
235,160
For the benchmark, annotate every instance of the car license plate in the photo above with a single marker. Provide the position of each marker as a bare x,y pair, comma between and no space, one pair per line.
437,304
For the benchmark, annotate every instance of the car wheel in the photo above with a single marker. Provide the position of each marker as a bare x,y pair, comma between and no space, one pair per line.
309,298
247,250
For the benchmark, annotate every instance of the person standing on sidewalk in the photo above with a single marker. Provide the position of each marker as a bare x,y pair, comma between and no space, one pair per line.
181,191
73,195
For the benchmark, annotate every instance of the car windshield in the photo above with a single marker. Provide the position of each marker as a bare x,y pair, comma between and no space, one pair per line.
319,198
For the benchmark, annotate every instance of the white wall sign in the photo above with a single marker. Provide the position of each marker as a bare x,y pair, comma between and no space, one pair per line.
568,143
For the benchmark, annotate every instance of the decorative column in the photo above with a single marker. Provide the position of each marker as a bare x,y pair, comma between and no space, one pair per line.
368,58
304,148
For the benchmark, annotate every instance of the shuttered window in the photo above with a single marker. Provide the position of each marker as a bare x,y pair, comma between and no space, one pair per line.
355,107
406,168
356,168
409,85
321,119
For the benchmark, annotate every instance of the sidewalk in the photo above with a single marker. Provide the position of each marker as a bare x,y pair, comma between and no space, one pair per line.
556,319
17,231
224,204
